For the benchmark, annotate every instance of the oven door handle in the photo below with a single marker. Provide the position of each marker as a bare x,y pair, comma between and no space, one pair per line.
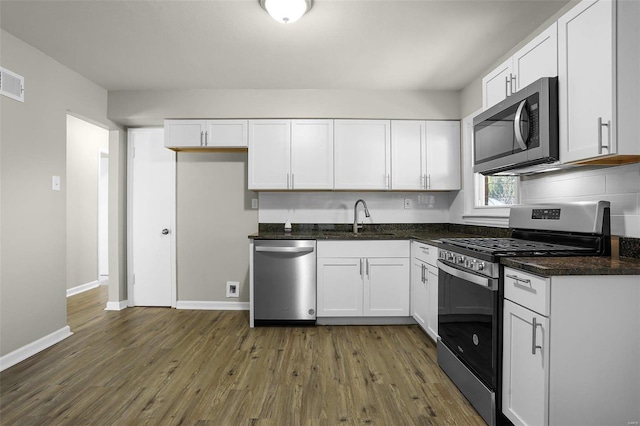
490,283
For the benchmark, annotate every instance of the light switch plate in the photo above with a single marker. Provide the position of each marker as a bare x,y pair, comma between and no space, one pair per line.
254,203
55,183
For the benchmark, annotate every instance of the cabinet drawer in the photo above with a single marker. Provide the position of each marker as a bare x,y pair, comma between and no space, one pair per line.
528,290
389,248
425,252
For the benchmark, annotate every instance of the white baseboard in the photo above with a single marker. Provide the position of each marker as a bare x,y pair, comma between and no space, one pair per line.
82,288
20,354
117,306
213,306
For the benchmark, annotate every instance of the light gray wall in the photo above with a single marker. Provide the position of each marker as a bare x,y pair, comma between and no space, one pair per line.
214,218
149,108
117,215
84,142
33,229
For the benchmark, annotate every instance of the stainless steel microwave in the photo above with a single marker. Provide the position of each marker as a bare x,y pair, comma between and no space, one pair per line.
519,132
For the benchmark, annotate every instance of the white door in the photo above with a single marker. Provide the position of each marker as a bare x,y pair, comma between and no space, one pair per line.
386,287
312,154
407,155
431,276
585,81
340,286
443,155
152,189
362,153
418,293
525,366
269,154
495,85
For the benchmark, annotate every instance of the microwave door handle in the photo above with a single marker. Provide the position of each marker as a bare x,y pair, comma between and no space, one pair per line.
517,121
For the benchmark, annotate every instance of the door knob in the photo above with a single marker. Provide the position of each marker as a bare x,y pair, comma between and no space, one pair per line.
165,231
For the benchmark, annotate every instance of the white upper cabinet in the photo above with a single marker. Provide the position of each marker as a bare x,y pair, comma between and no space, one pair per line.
496,84
408,154
443,155
537,59
269,154
599,88
425,155
362,154
290,154
312,154
205,133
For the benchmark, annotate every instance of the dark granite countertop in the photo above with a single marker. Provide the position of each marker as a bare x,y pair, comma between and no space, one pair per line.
428,235
583,265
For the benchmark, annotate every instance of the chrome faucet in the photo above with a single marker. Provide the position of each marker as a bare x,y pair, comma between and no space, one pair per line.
355,215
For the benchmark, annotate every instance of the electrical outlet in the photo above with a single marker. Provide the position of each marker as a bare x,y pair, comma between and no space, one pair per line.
254,203
233,289
408,203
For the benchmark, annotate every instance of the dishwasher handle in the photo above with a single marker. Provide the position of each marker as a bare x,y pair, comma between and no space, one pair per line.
285,249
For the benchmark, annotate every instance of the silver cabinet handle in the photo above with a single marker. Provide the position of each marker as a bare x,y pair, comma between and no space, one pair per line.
512,80
360,267
535,325
506,86
269,249
600,126
422,272
292,184
521,117
367,260
518,279
201,138
206,136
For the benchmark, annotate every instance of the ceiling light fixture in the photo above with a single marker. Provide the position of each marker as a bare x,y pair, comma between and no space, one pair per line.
286,11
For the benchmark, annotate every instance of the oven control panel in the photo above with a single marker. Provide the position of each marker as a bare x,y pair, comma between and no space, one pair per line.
469,263
545,214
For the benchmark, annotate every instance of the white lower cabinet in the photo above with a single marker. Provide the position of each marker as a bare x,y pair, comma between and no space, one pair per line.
570,349
363,279
525,366
424,287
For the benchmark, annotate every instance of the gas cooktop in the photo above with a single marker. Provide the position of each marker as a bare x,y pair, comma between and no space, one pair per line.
512,246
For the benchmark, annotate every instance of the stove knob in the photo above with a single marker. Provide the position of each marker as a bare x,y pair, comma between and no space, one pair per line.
460,259
480,266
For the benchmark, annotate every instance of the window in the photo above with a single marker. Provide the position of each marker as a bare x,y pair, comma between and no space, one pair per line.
494,191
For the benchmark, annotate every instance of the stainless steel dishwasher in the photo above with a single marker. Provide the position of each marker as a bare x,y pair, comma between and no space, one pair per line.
284,282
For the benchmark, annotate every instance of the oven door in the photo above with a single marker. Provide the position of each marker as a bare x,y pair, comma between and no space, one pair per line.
468,319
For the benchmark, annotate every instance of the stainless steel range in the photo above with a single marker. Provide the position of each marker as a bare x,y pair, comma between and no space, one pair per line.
470,289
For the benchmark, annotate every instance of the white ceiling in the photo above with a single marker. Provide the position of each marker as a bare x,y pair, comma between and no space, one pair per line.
234,44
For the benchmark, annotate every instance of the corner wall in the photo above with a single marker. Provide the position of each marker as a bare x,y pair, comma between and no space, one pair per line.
33,227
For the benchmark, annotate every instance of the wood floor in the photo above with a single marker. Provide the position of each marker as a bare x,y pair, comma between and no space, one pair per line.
160,366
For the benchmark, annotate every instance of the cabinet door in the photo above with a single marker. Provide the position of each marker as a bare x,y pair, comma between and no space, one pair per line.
525,367
362,152
585,81
269,154
431,285
408,155
312,154
227,133
387,287
443,155
496,84
419,293
340,283
539,58
184,133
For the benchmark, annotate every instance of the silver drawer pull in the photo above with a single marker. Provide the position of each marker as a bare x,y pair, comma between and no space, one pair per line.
518,279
